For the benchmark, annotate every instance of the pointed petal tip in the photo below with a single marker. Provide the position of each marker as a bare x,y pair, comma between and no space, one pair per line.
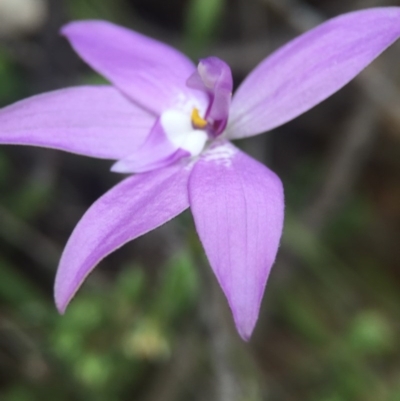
245,332
74,26
61,309
66,28
119,167
63,293
63,27
61,304
245,319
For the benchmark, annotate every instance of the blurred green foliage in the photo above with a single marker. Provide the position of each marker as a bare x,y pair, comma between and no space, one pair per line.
107,339
96,9
203,18
333,335
11,83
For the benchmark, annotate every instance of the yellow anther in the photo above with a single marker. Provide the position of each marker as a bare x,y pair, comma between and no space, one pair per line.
197,121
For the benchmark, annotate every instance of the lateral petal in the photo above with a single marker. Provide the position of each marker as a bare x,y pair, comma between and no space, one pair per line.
95,121
237,204
310,68
149,72
134,207
171,139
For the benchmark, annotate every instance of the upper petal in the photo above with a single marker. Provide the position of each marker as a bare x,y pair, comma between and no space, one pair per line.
134,207
310,68
237,204
93,121
150,72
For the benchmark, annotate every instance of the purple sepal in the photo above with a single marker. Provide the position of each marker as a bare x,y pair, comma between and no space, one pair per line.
310,68
134,207
149,72
237,205
96,121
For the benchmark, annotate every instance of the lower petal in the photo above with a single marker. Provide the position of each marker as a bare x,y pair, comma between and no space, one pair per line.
237,204
134,207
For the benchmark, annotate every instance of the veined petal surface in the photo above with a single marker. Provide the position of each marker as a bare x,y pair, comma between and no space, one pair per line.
95,121
134,207
149,72
310,68
237,204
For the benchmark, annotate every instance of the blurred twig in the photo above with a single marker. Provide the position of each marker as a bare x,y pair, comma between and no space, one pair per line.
343,167
172,379
29,241
298,14
219,334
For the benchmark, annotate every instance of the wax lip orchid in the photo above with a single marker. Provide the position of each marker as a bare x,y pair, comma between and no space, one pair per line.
169,124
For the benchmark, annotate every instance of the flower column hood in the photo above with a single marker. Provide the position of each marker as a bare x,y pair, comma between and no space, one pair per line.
168,124
193,119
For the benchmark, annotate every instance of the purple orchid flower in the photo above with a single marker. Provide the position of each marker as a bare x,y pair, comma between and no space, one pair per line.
170,124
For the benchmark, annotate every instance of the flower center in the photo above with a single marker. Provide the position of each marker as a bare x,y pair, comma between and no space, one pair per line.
197,120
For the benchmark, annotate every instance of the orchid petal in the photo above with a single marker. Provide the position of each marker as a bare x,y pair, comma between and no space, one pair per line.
171,139
156,152
237,204
310,68
92,121
134,207
149,72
